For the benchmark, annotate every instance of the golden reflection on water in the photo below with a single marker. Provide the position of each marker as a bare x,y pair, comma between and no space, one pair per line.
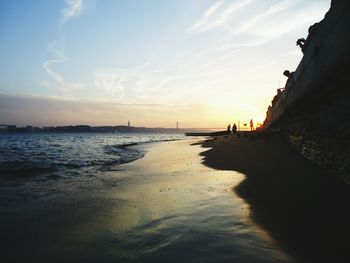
170,186
168,202
178,185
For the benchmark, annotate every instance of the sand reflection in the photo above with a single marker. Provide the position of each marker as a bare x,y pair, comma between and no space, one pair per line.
172,201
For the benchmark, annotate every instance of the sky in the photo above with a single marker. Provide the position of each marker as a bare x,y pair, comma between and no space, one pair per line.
203,63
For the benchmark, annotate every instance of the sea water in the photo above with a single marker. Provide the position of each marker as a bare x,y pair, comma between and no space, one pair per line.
65,197
31,162
69,154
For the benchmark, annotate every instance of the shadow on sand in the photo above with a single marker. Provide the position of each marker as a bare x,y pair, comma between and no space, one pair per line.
304,209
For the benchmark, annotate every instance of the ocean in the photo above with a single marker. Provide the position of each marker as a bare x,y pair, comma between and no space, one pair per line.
69,154
65,197
33,166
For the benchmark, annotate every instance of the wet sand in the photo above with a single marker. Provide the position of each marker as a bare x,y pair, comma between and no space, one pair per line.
165,207
305,209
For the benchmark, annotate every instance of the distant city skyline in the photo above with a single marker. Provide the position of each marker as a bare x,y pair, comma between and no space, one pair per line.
202,63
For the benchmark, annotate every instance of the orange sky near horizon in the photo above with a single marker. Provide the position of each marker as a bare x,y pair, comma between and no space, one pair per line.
204,63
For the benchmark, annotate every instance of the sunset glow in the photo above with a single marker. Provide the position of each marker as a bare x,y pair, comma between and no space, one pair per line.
202,63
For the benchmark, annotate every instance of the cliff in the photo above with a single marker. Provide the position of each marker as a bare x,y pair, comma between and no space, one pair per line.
313,110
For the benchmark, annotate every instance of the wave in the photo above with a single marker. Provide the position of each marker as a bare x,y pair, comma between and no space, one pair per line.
125,145
71,155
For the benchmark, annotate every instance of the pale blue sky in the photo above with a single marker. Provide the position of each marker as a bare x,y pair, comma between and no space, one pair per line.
201,62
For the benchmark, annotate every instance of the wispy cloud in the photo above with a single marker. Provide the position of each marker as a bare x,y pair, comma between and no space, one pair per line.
57,47
72,9
246,26
279,19
265,23
302,19
207,14
221,63
217,15
279,7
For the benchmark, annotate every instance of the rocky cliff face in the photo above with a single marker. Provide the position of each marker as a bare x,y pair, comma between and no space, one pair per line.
314,109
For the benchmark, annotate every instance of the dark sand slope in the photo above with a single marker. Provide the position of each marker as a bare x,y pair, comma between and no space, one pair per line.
303,208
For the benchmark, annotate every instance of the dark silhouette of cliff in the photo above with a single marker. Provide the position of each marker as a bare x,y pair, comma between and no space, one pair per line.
313,110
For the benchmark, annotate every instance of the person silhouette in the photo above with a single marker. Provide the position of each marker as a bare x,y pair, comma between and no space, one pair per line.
301,43
251,125
229,127
290,80
234,128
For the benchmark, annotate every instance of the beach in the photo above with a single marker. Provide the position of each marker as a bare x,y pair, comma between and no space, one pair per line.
166,206
175,131
304,208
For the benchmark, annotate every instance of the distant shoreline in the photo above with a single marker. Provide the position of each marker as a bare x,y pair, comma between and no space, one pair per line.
87,129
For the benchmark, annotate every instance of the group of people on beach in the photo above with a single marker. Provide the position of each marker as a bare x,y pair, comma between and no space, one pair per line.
234,127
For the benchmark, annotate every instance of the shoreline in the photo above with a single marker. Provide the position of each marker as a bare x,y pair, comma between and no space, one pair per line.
166,206
170,158
301,206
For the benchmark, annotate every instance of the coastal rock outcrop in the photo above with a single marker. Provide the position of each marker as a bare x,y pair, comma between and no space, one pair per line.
313,110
